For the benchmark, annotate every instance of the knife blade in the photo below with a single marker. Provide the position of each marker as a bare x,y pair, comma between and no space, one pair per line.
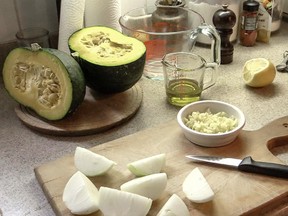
246,165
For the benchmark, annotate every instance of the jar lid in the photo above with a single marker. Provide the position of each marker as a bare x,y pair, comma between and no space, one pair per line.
173,3
251,5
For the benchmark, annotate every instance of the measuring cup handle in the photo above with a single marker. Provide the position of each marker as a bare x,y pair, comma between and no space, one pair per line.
212,33
214,66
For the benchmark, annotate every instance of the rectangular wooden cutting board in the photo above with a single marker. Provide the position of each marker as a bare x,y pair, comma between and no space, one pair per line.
236,193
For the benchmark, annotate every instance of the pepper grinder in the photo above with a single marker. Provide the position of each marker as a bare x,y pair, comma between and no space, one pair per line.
224,20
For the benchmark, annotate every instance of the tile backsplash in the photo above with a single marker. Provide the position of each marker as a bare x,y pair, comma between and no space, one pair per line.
285,7
40,13
20,14
31,13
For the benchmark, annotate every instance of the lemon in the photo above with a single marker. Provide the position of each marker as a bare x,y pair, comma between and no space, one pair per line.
258,72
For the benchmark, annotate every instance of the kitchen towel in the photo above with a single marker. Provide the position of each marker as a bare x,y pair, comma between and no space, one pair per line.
105,13
71,20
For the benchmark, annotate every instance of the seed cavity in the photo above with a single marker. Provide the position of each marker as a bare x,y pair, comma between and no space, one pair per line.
47,83
104,47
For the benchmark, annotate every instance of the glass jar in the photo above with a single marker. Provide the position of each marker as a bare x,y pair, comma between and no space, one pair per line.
248,27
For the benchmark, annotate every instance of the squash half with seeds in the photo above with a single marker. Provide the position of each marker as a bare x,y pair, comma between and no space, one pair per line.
111,61
48,81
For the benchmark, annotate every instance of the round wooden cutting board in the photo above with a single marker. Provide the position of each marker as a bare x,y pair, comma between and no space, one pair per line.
96,114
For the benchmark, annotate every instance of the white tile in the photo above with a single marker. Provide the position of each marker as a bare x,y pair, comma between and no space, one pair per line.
32,13
8,21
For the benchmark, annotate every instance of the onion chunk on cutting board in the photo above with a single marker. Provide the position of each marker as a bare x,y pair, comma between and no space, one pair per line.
196,188
90,163
147,166
175,206
113,202
80,195
151,186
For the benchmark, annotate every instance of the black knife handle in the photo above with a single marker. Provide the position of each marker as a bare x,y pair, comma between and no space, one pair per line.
265,168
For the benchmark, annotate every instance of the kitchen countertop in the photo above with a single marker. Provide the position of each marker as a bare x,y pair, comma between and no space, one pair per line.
22,149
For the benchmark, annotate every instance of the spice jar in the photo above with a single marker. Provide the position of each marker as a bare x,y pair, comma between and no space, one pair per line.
248,30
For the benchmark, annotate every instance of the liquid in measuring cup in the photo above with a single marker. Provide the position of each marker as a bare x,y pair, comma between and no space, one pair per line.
183,91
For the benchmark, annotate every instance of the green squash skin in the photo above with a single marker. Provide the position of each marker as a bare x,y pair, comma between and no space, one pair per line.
75,74
112,79
76,77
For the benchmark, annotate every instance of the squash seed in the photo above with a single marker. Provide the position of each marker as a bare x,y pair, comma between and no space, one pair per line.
43,77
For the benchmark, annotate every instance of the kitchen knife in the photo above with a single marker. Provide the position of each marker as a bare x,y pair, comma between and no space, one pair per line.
247,165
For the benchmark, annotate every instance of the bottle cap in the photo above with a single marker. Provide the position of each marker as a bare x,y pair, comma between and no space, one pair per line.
251,5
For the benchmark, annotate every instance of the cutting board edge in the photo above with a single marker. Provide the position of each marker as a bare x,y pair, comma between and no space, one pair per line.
277,206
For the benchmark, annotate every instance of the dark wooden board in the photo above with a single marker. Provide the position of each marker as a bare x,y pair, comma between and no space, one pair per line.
236,193
95,114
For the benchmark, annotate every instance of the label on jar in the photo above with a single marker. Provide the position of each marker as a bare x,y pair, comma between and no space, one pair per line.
249,23
264,18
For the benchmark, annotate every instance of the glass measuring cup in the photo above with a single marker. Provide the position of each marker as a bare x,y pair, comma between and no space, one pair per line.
165,30
186,76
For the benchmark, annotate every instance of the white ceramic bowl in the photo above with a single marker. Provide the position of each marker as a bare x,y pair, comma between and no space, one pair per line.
211,140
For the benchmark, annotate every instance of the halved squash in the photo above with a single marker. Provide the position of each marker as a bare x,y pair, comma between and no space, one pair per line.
46,80
111,61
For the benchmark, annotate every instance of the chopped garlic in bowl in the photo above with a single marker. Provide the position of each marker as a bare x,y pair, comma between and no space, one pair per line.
207,122
211,123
